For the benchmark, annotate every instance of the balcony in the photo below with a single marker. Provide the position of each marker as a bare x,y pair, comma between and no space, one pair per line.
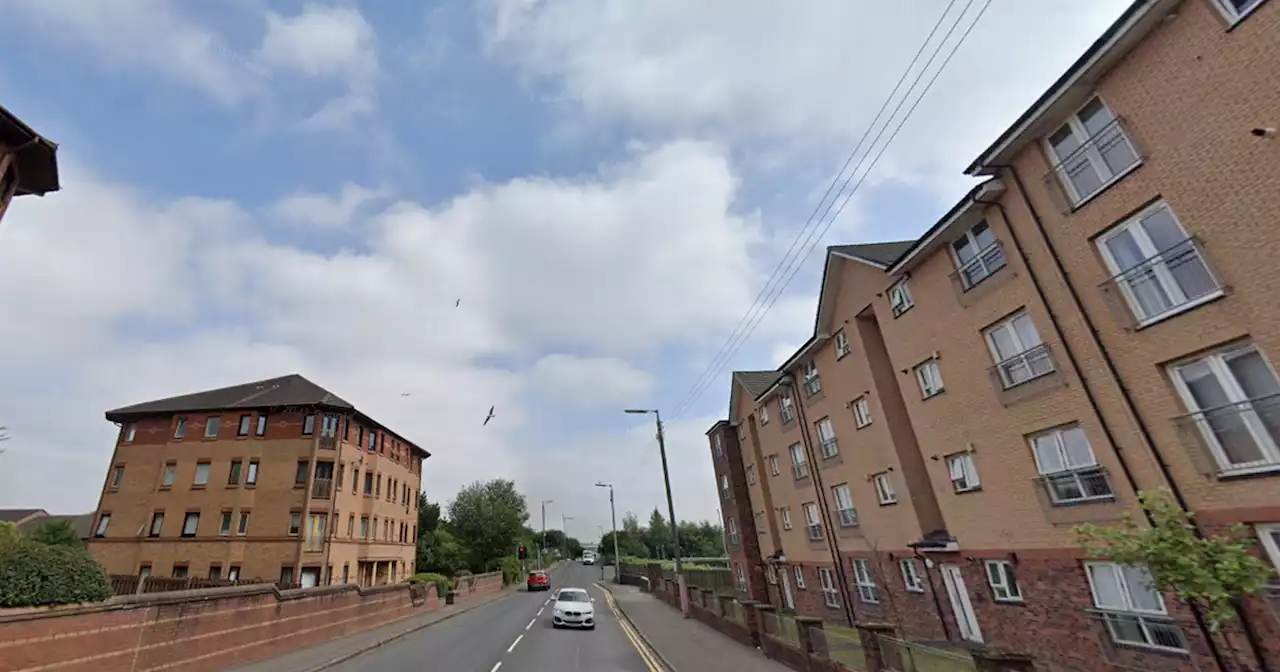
981,275
1233,439
814,531
801,470
1102,160
1078,496
848,517
812,386
829,448
328,442
1027,374
1154,289
322,488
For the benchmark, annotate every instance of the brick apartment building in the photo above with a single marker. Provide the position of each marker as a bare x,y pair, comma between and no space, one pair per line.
1094,319
28,162
275,478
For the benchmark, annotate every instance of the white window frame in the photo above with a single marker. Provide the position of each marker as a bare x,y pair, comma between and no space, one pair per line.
812,381
760,526
787,408
718,443
771,573
1003,581
911,575
884,489
1096,161
865,581
775,467
846,513
1178,300
786,517
201,476
733,531
799,574
812,521
763,413
724,484
211,426
799,463
1028,356
1268,445
963,472
742,577
1233,14
827,438
1267,535
190,523
751,474
830,595
130,431
104,522
900,299
861,411
929,378
980,254
1070,471
841,341
1129,609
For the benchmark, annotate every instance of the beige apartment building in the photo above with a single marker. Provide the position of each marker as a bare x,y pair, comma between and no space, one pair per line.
1094,319
277,479
28,162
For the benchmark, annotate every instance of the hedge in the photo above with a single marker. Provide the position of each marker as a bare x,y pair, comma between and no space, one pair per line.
34,574
444,585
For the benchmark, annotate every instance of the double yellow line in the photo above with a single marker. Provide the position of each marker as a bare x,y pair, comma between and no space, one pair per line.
648,656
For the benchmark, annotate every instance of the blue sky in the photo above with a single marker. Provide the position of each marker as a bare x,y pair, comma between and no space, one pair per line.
269,187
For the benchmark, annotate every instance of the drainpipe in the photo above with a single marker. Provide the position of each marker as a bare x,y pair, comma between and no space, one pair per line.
306,502
331,530
937,601
1250,634
842,581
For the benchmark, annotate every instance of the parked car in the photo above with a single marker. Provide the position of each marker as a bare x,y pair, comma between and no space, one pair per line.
573,608
538,580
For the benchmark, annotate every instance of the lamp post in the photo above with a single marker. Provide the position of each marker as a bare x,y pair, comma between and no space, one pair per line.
671,507
543,544
617,559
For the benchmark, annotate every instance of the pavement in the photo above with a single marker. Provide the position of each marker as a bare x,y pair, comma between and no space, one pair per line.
512,633
686,644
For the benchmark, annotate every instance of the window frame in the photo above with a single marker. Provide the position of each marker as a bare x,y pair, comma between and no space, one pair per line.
207,468
799,461
775,466
799,574
930,364
900,299
155,528
1217,361
718,443
130,431
827,443
1139,614
731,524
841,342
242,523
117,476
785,514
812,521
1232,14
244,425
847,515
1078,130
979,256
762,412
830,594
811,379
1007,588
180,427
1006,326
787,408
1077,472
885,493
212,425
910,575
969,470
224,523
101,526
751,474
190,520
865,581
1267,534
861,411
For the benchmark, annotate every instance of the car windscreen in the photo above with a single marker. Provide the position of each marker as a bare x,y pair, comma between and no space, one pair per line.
572,596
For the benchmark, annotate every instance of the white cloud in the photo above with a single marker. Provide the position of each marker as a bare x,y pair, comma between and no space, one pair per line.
591,381
326,211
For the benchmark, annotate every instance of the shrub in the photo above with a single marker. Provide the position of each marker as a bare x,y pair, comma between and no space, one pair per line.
444,585
461,573
34,574
512,571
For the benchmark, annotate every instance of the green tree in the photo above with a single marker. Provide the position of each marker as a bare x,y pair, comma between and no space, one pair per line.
487,519
657,536
574,546
9,533
428,514
1212,572
34,574
57,533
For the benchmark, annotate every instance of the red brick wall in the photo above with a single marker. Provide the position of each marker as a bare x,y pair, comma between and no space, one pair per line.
208,629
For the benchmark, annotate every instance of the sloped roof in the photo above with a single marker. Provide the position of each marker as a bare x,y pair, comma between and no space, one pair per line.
15,515
756,382
883,254
290,390
37,158
81,523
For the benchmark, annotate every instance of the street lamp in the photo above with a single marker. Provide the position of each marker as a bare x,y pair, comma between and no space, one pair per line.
617,559
543,545
671,507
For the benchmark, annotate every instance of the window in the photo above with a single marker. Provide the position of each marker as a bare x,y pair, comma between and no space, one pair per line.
812,383
300,474
117,476
719,445
844,505
786,517
813,521
884,489
104,521
233,573
377,490
202,475
351,525
964,474
233,476
787,408
763,412
355,478
373,441
211,425
251,477
308,424
911,575
799,572
1157,268
179,571
865,581
827,438
830,596
243,428
286,575
771,573
1237,9
798,463
329,425
900,300
978,255
774,467
224,525
1004,586
929,378
157,524
733,531
1017,351
751,475
190,524
1270,536
364,527
261,429
130,431
1232,397
243,528
1071,473
1135,614
1091,150
861,412
368,483
295,523
842,344
315,531
742,577
170,471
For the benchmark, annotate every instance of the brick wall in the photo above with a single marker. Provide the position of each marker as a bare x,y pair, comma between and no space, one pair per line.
209,629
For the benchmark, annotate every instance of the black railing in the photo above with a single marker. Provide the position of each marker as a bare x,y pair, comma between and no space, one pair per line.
322,488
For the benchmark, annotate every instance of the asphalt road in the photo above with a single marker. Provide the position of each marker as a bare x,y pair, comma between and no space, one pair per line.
515,635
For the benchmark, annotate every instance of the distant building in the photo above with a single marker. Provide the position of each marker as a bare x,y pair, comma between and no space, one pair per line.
29,520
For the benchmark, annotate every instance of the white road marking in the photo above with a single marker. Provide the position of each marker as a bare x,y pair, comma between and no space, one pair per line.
541,610
530,624
513,644
496,666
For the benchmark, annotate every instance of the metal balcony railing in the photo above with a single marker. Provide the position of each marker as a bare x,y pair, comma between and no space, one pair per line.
1025,374
1242,437
787,414
812,386
1139,630
1173,280
322,488
829,447
1103,158
848,517
815,531
328,442
1077,486
986,263
801,470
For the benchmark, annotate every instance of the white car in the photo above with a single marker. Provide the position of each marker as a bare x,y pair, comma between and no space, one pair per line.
573,608
588,559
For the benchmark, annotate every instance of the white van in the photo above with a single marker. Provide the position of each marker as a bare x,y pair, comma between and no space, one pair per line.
588,558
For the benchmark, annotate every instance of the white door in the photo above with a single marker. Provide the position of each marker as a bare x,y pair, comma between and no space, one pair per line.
960,604
310,577
787,600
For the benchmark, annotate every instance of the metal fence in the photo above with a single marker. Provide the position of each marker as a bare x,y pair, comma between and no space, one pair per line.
900,655
129,585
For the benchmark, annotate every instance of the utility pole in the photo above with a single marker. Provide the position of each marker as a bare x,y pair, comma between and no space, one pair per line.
671,510
599,554
543,544
617,559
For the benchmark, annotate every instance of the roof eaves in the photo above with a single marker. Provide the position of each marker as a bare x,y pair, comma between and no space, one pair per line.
990,186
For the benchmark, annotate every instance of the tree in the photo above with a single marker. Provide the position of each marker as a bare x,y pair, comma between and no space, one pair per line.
34,574
574,546
428,514
657,536
488,519
57,533
1212,572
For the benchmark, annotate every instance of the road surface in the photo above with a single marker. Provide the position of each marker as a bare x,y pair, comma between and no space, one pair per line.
515,635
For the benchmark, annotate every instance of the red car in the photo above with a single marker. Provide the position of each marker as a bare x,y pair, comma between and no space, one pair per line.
538,580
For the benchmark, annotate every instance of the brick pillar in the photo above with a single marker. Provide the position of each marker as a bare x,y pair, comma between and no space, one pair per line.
813,642
766,618
991,661
708,598
753,623
872,645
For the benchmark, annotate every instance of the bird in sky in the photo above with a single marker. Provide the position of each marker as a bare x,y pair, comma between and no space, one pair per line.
489,417
457,303
405,394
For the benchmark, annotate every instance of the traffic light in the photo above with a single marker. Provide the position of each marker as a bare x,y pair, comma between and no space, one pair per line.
524,553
